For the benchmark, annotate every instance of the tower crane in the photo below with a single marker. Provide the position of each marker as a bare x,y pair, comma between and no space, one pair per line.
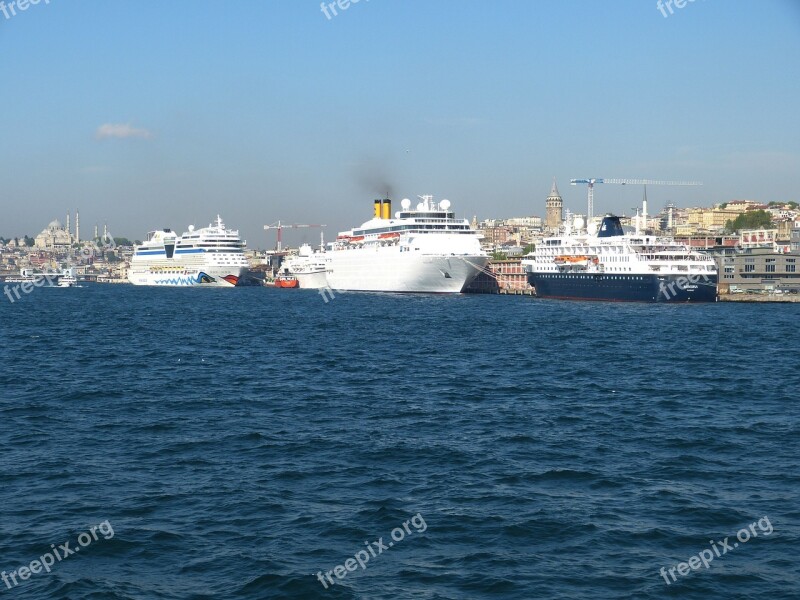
281,226
592,182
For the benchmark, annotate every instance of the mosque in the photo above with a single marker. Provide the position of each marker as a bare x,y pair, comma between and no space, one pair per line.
58,237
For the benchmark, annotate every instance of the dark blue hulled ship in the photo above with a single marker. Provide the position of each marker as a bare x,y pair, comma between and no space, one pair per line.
602,262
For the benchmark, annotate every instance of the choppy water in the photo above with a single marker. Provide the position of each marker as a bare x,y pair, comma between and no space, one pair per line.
238,442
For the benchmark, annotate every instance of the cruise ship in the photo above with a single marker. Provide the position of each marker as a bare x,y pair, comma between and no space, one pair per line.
425,249
212,256
308,267
602,262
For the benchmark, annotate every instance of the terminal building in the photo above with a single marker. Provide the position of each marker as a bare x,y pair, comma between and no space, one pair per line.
760,263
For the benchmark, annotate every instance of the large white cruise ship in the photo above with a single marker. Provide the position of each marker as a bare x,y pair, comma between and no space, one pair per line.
602,262
211,256
421,250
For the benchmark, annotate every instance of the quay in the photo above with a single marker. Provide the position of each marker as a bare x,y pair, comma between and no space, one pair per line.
769,298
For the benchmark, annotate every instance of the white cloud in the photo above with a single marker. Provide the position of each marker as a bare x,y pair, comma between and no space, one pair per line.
121,131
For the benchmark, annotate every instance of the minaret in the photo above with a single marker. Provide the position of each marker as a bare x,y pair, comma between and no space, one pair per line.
69,229
105,231
95,231
77,226
554,217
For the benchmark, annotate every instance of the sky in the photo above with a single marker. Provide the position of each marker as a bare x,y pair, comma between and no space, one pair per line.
147,114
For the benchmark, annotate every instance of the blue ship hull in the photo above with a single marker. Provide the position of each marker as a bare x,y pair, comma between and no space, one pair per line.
624,288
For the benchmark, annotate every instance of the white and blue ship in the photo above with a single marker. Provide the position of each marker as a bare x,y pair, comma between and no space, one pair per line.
602,262
211,256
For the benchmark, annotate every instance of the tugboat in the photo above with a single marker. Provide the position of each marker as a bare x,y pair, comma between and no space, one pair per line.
286,281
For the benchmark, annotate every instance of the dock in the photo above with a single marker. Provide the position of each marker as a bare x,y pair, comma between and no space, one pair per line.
769,298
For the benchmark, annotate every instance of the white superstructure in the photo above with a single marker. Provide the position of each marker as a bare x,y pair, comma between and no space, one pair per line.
425,249
211,256
308,267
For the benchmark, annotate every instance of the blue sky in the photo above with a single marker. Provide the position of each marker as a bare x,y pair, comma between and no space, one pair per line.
267,110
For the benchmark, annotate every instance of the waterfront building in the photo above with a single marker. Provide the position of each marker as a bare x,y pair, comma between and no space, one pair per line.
760,269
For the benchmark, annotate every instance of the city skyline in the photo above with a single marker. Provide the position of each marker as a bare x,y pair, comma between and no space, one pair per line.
267,112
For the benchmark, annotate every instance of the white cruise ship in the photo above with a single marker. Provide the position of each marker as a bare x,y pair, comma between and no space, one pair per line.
425,249
602,262
211,256
308,267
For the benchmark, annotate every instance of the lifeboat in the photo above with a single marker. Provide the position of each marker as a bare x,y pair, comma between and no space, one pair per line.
389,236
579,260
566,260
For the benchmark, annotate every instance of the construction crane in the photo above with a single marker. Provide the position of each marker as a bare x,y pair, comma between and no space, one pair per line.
280,227
591,182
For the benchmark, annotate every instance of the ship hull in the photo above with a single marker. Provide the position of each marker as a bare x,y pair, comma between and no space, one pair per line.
386,269
208,276
312,281
624,288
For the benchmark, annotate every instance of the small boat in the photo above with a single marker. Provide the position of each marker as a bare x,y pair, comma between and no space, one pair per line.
67,281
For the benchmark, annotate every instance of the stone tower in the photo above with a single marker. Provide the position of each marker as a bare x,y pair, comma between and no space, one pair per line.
555,205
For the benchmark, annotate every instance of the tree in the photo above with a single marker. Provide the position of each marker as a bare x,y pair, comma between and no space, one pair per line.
753,219
723,206
29,241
